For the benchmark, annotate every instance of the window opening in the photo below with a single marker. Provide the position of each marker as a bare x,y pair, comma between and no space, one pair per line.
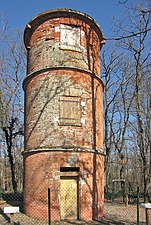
69,169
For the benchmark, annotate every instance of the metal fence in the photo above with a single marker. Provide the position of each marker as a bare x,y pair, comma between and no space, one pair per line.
12,211
42,208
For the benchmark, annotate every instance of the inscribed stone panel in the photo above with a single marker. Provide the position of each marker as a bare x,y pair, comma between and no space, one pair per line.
70,37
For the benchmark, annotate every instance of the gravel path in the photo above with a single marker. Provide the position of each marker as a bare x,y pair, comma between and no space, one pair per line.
122,215
114,213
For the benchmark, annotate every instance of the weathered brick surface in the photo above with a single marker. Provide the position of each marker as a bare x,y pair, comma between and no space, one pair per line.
42,111
39,177
54,73
45,49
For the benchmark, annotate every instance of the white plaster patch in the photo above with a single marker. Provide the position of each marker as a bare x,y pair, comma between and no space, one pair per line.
82,33
83,121
83,181
57,29
82,103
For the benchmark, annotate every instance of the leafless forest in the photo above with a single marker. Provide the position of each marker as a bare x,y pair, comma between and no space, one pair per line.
126,73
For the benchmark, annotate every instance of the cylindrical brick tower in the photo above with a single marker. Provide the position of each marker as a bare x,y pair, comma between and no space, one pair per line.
63,116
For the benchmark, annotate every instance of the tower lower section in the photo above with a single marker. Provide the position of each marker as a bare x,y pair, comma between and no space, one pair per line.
75,179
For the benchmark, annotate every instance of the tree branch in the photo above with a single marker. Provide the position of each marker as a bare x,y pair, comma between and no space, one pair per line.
127,36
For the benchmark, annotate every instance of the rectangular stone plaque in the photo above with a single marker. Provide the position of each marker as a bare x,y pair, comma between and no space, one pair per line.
11,209
145,205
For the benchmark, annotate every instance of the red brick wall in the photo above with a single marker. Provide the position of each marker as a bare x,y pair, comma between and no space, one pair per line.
42,171
53,72
45,47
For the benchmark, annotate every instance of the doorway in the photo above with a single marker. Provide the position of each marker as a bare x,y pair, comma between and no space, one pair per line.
69,198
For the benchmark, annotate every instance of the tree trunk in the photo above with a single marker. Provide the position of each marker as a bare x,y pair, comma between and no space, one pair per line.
9,136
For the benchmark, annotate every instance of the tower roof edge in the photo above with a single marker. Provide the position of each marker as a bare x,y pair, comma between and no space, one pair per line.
56,13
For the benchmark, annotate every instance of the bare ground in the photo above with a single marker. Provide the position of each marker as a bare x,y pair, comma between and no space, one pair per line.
114,213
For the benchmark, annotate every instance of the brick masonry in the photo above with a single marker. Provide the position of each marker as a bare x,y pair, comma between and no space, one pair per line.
63,113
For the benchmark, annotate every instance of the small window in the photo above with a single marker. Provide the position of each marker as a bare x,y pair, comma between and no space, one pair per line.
69,169
70,110
70,37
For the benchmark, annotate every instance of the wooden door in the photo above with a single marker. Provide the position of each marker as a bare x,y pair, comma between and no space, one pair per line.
68,198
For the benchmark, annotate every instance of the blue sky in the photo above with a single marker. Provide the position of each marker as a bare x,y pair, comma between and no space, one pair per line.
20,12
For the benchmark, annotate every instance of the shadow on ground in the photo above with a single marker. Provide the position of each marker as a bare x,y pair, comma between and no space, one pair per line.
111,221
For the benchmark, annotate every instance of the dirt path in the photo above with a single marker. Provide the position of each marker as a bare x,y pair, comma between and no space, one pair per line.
122,215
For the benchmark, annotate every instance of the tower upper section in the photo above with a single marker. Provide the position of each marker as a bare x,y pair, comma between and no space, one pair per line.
63,89
63,38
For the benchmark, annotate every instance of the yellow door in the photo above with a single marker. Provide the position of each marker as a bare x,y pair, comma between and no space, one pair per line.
68,198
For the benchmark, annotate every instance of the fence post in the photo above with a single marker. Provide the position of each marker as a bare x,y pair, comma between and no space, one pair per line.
49,208
147,216
138,206
112,191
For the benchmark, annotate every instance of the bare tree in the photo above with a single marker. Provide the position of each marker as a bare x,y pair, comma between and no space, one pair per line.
109,76
12,68
136,43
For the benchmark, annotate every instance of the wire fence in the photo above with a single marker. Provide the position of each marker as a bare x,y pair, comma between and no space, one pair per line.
46,207
40,207
12,211
123,192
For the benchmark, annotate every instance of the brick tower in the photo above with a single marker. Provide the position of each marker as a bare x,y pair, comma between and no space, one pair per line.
63,116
